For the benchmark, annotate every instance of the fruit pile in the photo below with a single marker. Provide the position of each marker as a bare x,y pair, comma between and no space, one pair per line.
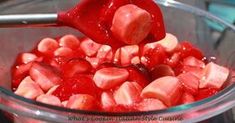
78,73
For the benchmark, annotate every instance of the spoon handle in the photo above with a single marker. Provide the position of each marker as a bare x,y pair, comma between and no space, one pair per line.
25,20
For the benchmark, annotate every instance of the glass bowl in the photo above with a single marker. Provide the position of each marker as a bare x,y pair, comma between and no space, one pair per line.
185,21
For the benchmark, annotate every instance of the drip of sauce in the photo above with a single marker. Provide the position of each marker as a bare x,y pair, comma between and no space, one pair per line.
94,19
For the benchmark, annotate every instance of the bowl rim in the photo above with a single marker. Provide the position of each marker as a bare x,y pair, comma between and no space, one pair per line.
165,3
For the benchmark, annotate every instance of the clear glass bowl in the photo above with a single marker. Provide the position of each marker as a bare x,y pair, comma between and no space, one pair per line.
185,21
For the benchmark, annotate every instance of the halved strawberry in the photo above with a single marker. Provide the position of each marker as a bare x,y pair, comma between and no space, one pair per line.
69,41
189,82
131,24
149,104
95,62
63,51
46,76
207,92
167,89
154,57
89,47
28,89
173,60
107,78
47,46
196,71
187,98
214,76
194,62
49,99
81,102
137,74
107,100
161,71
128,93
76,66
79,84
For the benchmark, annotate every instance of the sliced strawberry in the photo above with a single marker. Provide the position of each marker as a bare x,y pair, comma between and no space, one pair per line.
107,100
187,98
194,62
64,103
107,78
51,90
69,41
173,60
46,76
105,65
187,49
204,93
196,71
128,93
27,57
117,57
79,84
161,71
149,104
167,89
89,47
154,57
81,102
105,53
136,74
95,62
47,46
190,82
214,76
63,51
131,24
28,89
49,99
76,66
135,60
127,53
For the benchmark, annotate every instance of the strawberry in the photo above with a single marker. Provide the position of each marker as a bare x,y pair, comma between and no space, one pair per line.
161,71
63,51
105,53
82,102
149,104
44,75
79,84
49,99
167,89
204,93
189,82
25,58
107,100
131,29
193,62
186,98
76,66
187,49
89,47
127,53
128,93
47,46
69,41
107,78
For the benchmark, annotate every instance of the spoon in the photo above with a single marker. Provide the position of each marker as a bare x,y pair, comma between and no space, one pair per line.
91,17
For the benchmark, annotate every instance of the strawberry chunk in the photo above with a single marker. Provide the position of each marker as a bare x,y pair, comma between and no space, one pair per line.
76,66
81,102
127,53
107,100
63,51
107,78
128,93
79,84
51,90
187,49
190,82
95,62
47,46
89,47
194,62
45,76
167,89
25,58
131,24
214,76
161,71
196,71
69,41
187,98
149,104
28,89
105,53
49,99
